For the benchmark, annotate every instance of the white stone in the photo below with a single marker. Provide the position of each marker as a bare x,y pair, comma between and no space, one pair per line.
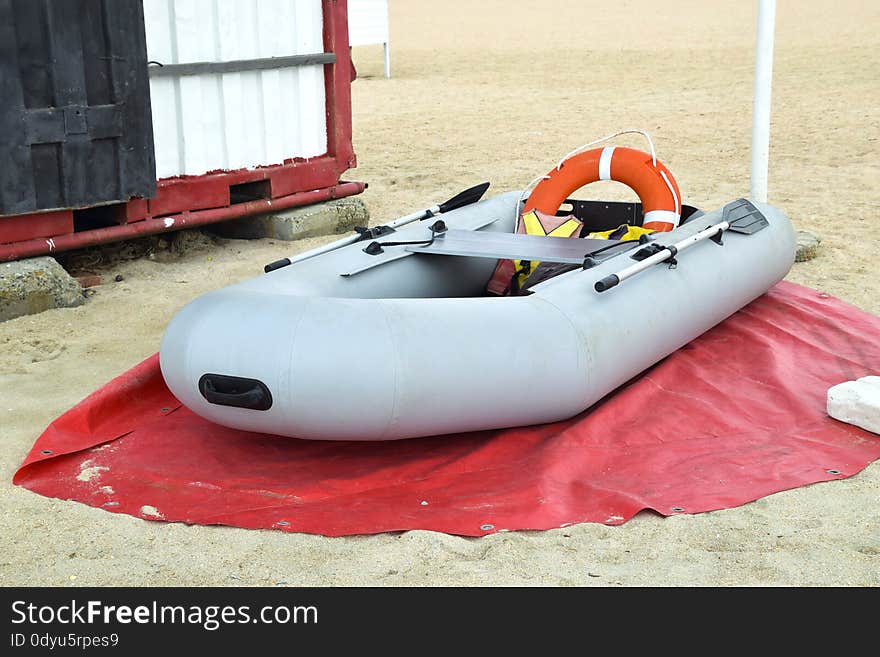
856,402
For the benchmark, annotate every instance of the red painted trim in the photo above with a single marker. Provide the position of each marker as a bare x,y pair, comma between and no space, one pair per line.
136,209
191,193
337,85
305,176
17,228
38,247
211,190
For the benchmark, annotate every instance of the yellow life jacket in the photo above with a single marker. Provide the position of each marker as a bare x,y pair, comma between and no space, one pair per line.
622,232
513,273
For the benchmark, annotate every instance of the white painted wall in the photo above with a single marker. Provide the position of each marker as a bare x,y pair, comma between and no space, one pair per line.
368,24
208,122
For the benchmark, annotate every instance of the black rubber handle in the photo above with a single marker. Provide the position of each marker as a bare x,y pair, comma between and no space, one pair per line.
278,264
607,283
235,391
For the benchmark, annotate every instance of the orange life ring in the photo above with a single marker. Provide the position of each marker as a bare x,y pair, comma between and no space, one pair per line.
642,172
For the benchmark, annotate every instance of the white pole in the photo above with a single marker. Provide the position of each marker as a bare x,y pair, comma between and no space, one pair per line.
761,108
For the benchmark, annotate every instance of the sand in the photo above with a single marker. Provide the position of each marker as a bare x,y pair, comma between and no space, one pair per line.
499,90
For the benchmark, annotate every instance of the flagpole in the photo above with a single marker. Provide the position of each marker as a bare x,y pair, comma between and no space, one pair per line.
762,92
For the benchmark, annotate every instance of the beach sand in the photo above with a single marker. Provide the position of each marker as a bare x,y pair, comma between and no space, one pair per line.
499,91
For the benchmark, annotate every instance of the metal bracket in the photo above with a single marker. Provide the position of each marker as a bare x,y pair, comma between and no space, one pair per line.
372,233
373,248
646,252
75,120
241,65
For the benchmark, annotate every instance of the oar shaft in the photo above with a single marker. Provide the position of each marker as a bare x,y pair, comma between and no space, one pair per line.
706,233
670,251
415,216
351,239
461,199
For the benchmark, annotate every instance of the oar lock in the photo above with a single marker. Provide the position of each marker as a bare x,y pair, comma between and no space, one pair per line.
654,249
375,248
372,233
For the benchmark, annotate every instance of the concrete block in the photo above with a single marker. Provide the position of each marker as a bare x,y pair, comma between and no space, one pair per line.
857,402
335,216
807,246
34,285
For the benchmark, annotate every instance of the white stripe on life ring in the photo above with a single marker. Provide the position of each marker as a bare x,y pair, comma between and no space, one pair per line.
605,162
663,216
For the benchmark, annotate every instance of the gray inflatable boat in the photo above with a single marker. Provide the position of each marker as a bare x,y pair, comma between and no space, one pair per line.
394,336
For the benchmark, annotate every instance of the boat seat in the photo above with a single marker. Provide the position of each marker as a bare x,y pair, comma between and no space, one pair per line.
512,246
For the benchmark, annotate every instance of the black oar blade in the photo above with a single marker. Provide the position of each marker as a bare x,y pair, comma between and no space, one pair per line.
466,197
743,217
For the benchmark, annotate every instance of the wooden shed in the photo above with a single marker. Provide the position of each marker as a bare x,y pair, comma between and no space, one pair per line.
135,117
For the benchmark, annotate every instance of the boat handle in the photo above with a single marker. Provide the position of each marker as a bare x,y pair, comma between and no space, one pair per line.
224,390
607,283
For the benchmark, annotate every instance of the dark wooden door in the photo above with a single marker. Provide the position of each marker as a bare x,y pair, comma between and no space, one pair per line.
75,121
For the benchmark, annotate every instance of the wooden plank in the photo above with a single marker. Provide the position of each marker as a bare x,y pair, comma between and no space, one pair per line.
44,125
46,172
17,192
69,86
51,124
105,121
108,174
96,55
68,67
72,104
34,53
134,155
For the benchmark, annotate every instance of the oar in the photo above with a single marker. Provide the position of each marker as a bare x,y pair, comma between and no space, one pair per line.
468,196
739,216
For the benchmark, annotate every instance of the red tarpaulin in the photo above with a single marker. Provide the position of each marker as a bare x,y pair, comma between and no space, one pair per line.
735,415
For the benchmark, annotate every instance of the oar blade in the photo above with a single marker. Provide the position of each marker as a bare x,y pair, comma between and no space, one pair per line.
743,217
466,197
